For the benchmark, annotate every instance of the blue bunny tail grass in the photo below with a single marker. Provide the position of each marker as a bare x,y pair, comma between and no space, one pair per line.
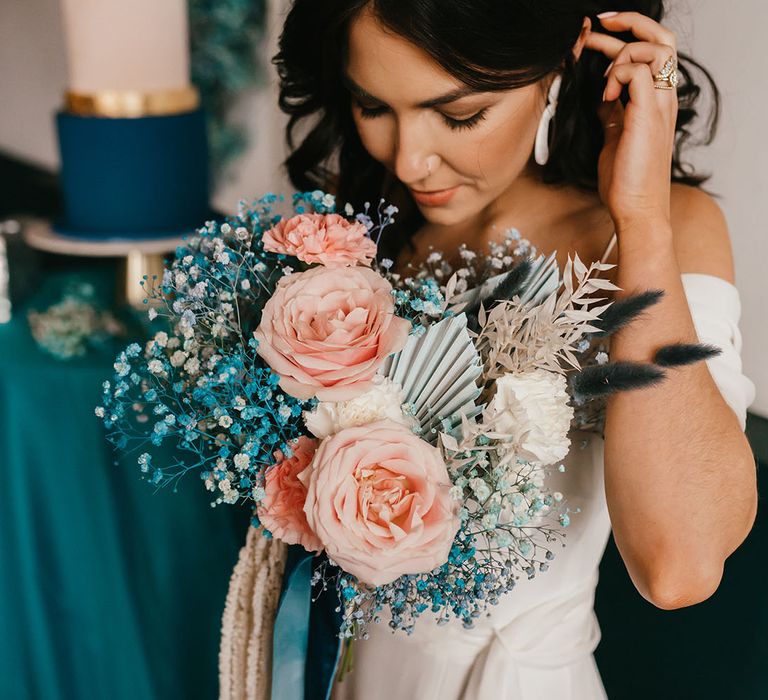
511,284
626,310
679,354
602,380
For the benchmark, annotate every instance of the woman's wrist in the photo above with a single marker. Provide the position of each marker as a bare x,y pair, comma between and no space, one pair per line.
644,246
650,225
646,234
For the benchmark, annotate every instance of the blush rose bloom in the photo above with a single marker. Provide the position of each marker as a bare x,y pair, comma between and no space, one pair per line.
328,239
326,332
378,498
281,510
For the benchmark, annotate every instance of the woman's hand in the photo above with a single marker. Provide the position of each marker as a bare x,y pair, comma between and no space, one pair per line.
634,169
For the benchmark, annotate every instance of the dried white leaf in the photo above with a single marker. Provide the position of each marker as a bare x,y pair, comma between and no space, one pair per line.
450,288
597,283
449,441
581,269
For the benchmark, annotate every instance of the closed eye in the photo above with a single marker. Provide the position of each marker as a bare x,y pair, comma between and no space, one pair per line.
370,112
367,112
467,123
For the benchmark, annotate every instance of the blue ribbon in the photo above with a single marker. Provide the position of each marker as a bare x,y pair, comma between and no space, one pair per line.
306,647
291,631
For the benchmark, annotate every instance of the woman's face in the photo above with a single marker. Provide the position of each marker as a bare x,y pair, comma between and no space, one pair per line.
457,150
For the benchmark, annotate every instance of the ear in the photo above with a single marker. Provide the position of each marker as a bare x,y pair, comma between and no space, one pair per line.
578,47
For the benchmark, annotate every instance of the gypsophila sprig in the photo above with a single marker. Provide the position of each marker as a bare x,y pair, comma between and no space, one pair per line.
200,384
69,327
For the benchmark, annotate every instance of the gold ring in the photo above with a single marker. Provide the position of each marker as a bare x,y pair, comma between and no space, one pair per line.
667,78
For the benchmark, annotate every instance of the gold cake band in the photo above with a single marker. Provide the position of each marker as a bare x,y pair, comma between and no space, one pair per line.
132,103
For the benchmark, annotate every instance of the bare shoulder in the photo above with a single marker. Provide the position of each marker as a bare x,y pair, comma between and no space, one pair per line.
702,240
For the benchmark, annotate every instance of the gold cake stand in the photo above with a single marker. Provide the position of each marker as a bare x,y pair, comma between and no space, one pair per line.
138,257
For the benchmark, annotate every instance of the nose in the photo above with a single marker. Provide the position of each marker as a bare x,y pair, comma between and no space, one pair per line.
412,149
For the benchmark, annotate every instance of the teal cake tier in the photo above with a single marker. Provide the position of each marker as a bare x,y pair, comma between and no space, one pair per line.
133,178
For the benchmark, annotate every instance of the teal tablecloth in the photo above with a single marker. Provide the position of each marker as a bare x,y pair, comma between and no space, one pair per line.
108,589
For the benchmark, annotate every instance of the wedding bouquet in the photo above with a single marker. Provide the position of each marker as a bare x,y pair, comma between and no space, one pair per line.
402,424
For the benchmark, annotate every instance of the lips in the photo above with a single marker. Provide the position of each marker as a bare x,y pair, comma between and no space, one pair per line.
433,198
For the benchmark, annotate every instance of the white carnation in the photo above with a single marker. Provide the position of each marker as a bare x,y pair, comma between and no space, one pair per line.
532,409
384,400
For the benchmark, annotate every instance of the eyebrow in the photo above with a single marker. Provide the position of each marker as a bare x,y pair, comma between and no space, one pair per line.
426,104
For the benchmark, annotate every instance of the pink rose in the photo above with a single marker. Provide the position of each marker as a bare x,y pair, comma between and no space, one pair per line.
322,238
281,511
326,332
378,500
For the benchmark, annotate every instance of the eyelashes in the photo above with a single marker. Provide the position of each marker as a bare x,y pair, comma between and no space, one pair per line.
467,123
451,123
370,112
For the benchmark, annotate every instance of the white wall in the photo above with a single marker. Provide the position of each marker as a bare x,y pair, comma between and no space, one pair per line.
32,78
258,171
725,37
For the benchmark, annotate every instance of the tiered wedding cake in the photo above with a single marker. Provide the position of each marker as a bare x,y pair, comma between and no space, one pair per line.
132,137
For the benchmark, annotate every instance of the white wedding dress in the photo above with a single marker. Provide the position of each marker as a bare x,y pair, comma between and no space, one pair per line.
538,642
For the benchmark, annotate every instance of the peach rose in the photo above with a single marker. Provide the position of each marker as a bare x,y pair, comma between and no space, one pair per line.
378,500
328,239
326,332
281,511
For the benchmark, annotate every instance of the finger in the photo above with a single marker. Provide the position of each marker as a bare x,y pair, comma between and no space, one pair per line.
643,27
639,80
612,117
609,45
611,114
655,55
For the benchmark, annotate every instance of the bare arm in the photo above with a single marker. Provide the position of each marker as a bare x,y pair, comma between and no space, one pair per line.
679,473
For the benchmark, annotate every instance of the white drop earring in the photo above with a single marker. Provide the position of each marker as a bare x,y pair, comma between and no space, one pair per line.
541,147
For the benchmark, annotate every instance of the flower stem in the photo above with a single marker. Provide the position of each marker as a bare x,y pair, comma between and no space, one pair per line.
347,658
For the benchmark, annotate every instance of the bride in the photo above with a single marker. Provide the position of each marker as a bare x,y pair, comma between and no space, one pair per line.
477,117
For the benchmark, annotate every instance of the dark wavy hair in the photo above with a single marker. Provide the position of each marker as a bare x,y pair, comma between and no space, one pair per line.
486,44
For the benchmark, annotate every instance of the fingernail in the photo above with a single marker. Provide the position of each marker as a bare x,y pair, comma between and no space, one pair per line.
603,15
604,91
608,70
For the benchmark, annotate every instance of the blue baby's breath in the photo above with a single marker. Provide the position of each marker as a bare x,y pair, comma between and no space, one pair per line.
201,374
